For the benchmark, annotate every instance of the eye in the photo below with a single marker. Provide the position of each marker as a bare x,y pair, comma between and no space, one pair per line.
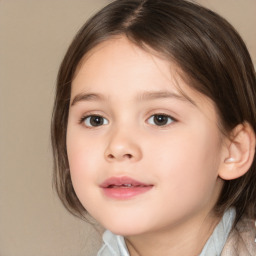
94,121
160,120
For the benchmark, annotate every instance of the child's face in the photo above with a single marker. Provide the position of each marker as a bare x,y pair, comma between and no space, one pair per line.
136,124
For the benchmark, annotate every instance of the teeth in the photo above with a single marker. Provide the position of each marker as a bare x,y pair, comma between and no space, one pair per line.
119,186
124,185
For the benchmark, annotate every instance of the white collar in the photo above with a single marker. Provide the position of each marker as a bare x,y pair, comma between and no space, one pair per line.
114,245
217,240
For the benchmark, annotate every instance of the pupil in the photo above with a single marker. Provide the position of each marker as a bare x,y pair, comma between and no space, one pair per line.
96,121
160,119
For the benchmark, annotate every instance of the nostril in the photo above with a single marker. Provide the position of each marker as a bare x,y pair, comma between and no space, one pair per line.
111,156
129,156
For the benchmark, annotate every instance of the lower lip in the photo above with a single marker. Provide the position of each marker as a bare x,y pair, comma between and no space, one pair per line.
123,193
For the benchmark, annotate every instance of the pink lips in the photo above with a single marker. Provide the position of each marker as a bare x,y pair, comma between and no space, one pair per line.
123,187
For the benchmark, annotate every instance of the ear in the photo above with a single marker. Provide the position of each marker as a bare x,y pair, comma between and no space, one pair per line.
239,152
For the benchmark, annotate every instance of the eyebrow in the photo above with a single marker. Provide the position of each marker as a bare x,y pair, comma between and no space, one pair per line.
152,95
145,96
87,97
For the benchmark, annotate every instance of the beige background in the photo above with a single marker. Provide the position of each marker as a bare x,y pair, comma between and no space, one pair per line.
34,35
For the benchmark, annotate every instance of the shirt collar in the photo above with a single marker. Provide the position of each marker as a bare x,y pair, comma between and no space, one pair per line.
114,245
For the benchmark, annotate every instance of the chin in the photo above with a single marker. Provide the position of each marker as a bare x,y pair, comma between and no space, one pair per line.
125,229
124,232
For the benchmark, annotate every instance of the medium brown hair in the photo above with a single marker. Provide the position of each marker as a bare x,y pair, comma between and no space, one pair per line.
205,47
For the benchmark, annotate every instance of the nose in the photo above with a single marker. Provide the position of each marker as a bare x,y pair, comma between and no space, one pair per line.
123,146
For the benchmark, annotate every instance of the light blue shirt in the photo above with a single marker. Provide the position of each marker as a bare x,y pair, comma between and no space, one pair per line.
114,245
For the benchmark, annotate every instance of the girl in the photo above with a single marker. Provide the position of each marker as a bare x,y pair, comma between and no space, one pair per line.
153,130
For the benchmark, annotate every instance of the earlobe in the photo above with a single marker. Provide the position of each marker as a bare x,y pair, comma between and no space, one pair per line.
240,152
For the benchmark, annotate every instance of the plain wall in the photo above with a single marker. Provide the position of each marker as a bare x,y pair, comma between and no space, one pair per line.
34,35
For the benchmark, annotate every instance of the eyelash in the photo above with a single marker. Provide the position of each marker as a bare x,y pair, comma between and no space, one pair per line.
166,118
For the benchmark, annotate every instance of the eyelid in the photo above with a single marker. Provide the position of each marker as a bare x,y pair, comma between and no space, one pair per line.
90,113
165,112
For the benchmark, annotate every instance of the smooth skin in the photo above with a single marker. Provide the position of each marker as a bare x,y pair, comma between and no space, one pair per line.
128,117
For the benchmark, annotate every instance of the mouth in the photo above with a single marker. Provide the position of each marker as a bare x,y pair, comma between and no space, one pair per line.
124,187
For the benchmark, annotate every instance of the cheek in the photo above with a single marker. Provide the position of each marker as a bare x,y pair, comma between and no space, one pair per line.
80,149
188,163
82,161
82,156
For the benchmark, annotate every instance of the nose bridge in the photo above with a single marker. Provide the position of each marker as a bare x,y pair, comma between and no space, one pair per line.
123,144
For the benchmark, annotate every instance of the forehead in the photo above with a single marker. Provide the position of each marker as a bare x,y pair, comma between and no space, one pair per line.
118,61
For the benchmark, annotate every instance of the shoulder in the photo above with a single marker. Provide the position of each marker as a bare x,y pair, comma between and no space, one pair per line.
242,239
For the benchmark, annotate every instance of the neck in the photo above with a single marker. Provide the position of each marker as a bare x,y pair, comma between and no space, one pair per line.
183,239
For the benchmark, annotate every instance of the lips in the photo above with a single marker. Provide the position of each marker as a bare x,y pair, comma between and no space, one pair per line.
124,187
